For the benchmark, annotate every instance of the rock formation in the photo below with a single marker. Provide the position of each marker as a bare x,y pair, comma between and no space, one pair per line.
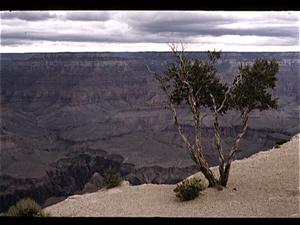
65,116
81,173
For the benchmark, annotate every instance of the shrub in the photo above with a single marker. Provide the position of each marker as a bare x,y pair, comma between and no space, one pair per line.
25,208
189,189
281,141
112,178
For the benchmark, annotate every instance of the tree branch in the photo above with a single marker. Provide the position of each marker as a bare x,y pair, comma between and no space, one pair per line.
225,176
191,149
218,139
228,91
149,69
173,110
181,72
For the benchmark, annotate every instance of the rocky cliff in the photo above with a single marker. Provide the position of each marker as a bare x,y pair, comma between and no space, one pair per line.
58,107
71,175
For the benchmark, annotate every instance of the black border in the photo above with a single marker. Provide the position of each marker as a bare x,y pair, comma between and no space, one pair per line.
151,5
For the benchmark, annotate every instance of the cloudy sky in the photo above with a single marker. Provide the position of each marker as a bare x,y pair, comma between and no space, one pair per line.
59,31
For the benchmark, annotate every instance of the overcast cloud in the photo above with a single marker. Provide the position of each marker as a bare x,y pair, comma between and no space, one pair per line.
54,31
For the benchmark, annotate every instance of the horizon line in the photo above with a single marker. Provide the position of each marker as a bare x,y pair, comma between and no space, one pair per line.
143,52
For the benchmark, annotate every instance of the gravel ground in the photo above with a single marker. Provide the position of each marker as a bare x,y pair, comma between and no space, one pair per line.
263,185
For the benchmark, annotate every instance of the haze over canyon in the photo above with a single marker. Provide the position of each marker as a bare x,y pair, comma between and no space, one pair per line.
67,116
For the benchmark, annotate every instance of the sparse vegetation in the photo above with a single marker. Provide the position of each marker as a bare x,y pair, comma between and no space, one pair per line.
25,208
196,83
280,142
112,178
189,189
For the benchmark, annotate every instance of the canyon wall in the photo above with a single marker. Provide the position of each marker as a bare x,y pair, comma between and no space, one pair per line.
60,111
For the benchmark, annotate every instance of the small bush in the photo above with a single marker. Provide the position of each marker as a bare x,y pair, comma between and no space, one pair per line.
281,141
25,208
189,189
112,178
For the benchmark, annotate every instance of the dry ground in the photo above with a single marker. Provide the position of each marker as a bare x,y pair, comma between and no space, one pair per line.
263,185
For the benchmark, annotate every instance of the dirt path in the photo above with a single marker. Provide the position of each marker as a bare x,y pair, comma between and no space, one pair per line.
263,185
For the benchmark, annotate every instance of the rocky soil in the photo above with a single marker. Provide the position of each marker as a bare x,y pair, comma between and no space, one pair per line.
263,185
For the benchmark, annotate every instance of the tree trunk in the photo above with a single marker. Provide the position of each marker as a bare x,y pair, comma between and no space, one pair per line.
197,158
224,177
219,147
212,181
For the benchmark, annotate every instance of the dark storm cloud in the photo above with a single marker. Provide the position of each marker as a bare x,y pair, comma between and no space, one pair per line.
186,30
72,16
187,24
149,27
23,38
12,38
28,16
88,16
168,21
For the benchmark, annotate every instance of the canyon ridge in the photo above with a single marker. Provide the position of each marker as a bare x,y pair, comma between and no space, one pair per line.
67,116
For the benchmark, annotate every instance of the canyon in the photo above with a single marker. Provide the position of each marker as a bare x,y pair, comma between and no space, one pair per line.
67,116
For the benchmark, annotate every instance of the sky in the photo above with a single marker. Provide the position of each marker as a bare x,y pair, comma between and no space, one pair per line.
122,31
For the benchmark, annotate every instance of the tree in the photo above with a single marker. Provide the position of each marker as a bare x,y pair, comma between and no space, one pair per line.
195,83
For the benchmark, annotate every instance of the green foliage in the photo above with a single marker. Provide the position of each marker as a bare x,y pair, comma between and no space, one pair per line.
112,178
25,208
252,91
280,142
195,83
189,189
202,78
